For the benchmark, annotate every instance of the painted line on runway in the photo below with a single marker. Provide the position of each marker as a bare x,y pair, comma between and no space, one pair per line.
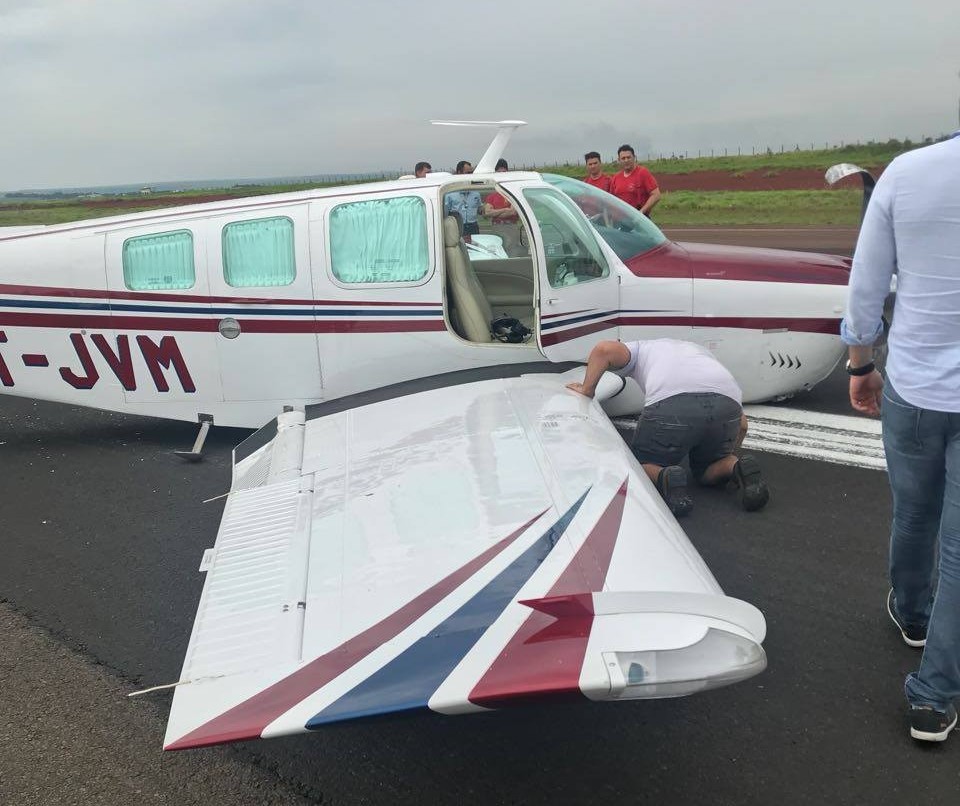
836,438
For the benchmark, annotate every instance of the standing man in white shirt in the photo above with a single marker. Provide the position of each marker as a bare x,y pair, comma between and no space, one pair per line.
466,203
692,406
912,226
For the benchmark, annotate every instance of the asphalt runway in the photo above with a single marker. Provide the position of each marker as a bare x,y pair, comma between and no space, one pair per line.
102,534
832,240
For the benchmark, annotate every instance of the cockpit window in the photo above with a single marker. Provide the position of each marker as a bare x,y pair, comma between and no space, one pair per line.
569,245
627,231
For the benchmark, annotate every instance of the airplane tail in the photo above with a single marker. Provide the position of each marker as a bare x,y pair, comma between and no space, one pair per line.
505,130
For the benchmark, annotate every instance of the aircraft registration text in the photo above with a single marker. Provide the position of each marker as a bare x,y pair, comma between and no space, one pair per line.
157,356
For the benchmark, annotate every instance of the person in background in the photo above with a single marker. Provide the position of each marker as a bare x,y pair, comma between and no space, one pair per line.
595,175
502,215
634,183
466,203
912,226
692,406
422,169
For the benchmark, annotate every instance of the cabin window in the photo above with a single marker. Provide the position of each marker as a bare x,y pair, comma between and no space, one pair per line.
380,241
259,253
162,262
569,245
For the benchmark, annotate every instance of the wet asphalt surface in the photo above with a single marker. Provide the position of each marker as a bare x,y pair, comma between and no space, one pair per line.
101,535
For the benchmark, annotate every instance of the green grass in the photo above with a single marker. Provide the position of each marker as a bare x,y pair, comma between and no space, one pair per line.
870,155
58,213
678,208
730,208
759,207
26,212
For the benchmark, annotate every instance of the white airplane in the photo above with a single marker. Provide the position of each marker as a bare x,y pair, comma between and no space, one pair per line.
432,524
227,312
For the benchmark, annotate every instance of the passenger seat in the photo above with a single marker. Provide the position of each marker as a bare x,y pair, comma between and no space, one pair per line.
469,310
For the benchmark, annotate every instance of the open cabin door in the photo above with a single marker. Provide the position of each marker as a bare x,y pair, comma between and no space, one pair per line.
579,296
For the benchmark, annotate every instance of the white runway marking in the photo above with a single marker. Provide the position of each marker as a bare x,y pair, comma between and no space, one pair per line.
841,439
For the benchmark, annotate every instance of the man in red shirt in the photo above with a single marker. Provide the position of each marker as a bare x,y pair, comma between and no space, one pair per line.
595,175
502,216
634,184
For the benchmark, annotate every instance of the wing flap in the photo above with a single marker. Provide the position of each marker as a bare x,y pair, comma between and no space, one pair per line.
248,614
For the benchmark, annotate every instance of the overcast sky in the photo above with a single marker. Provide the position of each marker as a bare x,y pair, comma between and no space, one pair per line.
98,92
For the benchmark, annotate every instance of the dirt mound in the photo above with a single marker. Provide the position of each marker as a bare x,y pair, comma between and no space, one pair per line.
778,179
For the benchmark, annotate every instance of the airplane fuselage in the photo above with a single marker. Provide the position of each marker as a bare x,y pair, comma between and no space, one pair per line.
236,309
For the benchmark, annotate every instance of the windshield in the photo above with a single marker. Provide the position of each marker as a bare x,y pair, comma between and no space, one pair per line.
627,231
573,253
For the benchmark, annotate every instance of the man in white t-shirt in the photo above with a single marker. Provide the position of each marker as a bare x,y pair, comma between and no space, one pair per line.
692,406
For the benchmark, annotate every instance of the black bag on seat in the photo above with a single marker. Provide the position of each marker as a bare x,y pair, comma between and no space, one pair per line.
509,330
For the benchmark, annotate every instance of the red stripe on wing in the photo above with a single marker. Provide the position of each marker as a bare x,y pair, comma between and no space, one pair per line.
545,656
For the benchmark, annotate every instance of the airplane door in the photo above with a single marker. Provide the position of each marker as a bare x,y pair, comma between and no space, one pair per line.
579,294
162,347
258,266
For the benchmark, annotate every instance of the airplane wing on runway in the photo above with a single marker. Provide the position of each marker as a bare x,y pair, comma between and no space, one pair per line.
462,549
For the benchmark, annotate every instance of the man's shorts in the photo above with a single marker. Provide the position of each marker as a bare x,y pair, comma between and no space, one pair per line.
703,425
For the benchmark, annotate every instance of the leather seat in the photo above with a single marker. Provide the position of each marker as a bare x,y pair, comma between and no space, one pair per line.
470,311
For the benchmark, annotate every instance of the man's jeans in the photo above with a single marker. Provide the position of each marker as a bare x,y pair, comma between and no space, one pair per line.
923,462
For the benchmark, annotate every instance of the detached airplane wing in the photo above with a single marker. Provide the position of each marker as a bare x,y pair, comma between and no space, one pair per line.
466,548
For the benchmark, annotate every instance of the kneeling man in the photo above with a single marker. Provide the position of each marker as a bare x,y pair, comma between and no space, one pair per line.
692,406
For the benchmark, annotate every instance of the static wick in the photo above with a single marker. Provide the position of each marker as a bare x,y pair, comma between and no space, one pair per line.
157,688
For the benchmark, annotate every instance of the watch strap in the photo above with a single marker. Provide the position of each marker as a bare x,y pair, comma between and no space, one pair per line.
857,372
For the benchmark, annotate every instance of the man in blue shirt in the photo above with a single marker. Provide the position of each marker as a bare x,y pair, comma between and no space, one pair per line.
912,226
465,202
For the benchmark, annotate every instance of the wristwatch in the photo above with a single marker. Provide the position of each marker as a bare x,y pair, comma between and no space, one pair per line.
866,369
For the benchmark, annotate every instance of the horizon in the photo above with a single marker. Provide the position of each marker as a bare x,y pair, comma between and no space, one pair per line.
172,185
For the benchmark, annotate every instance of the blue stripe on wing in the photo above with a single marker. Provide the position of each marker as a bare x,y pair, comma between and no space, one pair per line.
410,679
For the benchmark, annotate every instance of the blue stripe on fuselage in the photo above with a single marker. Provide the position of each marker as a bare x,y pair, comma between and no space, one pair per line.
244,311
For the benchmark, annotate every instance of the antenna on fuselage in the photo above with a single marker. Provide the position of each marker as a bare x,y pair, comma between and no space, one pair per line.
505,130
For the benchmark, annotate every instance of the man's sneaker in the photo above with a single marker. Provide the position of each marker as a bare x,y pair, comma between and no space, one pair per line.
927,724
672,484
752,488
912,636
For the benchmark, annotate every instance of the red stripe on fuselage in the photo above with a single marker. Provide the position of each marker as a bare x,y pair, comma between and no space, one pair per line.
565,313
149,296
799,325
186,324
796,325
248,719
545,656
556,337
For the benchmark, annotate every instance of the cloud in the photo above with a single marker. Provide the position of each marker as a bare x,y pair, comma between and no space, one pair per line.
105,91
